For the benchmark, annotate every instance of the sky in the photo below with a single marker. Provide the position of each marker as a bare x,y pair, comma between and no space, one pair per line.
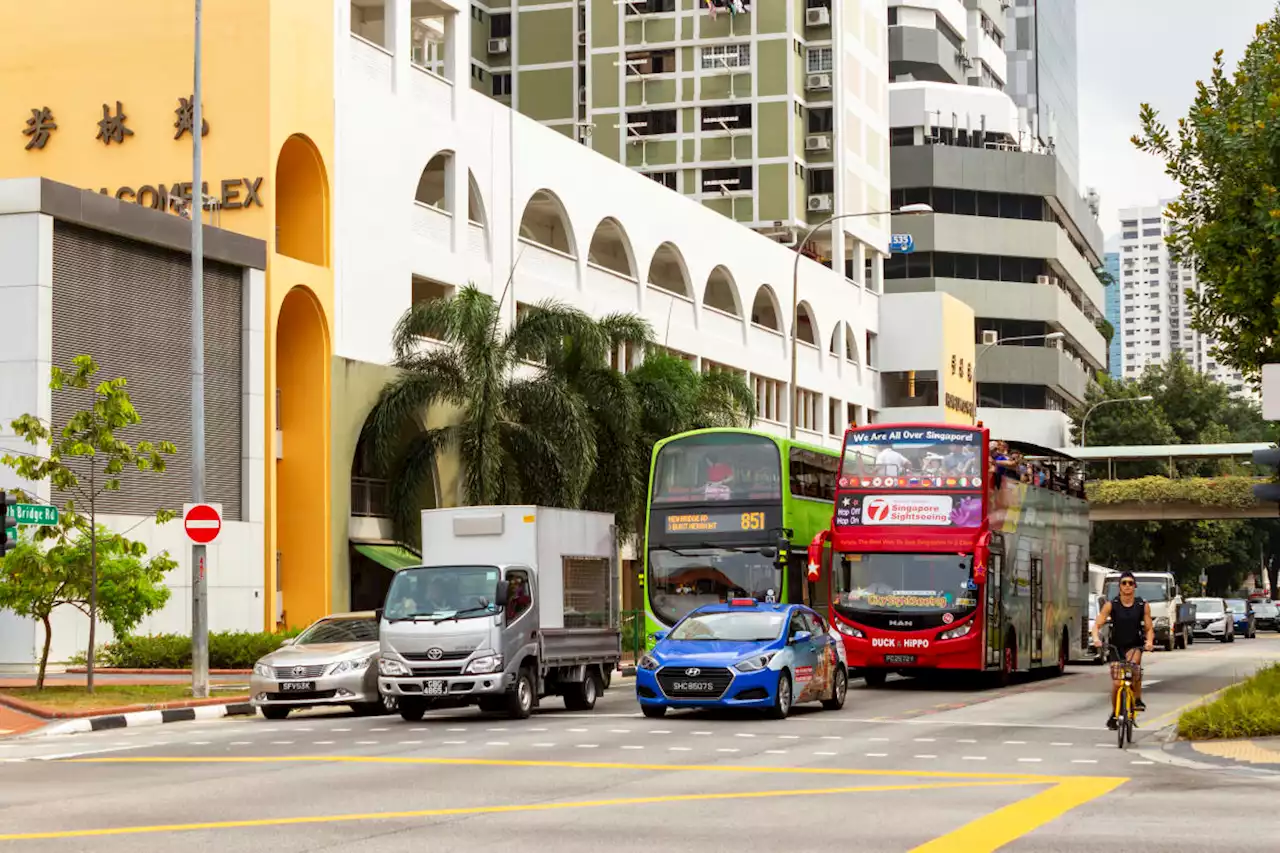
1153,51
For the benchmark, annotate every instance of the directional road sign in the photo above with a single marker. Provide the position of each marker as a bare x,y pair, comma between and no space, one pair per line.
202,522
902,244
40,514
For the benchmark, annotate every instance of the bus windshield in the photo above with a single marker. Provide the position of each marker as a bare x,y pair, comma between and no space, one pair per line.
906,583
950,458
681,580
724,466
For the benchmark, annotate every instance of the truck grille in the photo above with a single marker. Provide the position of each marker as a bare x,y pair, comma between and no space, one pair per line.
287,672
678,682
423,656
436,671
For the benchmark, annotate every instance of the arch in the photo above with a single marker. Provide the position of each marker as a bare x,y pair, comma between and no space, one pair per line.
302,202
764,309
475,202
667,271
436,181
610,248
546,223
850,346
835,339
302,469
722,292
806,326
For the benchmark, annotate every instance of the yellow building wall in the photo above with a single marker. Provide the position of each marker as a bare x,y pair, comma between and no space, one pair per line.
956,388
268,72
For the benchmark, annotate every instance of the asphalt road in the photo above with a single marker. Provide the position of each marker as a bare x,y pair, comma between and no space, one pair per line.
915,766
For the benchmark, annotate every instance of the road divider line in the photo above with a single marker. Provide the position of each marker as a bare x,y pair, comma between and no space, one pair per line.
476,810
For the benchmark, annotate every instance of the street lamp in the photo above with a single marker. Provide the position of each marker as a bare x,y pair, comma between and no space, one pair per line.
908,209
1051,336
1145,398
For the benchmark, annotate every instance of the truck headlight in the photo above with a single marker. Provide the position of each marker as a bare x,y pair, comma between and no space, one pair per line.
755,663
648,662
958,631
849,630
483,665
1161,622
392,667
263,671
354,665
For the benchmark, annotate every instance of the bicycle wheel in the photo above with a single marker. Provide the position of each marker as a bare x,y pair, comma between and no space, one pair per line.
1122,719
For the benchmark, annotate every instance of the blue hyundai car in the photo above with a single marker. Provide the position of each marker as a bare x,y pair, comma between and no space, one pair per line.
744,654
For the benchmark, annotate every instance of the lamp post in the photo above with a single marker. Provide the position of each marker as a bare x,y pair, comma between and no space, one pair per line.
1051,336
1145,398
908,209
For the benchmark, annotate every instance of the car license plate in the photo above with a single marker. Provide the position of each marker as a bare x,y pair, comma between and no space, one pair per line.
899,658
435,688
694,686
297,686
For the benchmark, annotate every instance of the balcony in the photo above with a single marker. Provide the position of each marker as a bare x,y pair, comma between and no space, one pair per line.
371,62
1034,365
610,290
431,223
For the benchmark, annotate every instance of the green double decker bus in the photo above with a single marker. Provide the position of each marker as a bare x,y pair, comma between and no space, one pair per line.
731,512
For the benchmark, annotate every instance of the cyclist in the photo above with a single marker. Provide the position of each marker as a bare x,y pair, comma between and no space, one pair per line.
1130,618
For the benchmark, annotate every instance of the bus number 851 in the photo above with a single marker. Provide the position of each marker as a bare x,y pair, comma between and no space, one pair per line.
753,521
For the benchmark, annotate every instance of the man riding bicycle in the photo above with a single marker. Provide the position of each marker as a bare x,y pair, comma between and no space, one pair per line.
1130,617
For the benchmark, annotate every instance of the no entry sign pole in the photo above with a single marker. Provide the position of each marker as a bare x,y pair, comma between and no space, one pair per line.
202,523
199,584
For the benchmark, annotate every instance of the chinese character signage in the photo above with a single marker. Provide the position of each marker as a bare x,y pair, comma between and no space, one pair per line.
39,126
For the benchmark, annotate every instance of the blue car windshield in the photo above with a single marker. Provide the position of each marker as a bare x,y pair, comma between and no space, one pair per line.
749,627
1237,607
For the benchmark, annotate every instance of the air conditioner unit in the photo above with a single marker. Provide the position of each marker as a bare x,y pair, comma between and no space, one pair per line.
820,203
497,46
819,16
990,337
814,82
582,39
1053,280
817,143
1042,279
962,56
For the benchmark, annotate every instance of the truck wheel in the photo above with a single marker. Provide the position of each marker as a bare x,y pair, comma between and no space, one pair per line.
654,711
839,689
607,677
1191,638
582,696
275,712
411,710
875,677
1180,642
520,696
781,697
1168,643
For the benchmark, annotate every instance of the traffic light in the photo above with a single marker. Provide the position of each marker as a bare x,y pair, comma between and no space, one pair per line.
1269,458
8,523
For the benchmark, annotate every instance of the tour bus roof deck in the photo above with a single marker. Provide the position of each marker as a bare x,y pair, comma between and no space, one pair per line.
1033,451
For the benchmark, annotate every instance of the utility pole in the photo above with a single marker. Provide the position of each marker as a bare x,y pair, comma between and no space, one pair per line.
199,574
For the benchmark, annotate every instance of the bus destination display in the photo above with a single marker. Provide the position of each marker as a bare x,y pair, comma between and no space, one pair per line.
715,522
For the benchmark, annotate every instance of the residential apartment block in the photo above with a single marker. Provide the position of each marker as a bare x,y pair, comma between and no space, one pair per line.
1115,365
1155,316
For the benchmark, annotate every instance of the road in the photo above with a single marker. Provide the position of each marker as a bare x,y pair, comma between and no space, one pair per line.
914,766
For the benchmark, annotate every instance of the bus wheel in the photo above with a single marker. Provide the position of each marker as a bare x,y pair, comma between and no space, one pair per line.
875,677
1062,653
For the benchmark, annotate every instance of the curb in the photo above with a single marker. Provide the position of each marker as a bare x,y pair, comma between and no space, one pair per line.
144,718
45,713
108,670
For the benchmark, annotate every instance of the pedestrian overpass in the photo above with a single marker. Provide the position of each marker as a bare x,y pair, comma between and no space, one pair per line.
1173,498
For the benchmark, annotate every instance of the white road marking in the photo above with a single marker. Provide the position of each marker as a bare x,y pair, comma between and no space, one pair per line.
306,729
1105,745
726,749
926,756
241,743
831,737
339,730
776,751
577,730
1147,682
882,739
974,758
632,746
454,742
925,739
1084,761
543,729
966,740
1015,743
424,728
544,745
321,742
1060,743
372,730
659,731
497,743
456,730
880,721
824,753
783,737
1030,760
366,743
193,743
877,755
628,731
702,733
679,749
588,745
744,734
282,743
500,729
1142,762
410,742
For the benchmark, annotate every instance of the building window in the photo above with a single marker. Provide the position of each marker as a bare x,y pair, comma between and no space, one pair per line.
667,179
872,350
652,123
501,85
644,7
821,181
1008,395
731,179
500,26
818,60
893,16
835,426
821,120
808,407
651,62
727,117
768,398
718,56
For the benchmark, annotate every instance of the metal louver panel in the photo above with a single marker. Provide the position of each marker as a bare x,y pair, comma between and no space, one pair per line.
128,304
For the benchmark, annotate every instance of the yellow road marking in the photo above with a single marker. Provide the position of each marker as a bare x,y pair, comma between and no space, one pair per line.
1163,720
474,810
993,831
587,765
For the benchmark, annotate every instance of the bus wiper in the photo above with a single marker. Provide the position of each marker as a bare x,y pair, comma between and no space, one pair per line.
710,546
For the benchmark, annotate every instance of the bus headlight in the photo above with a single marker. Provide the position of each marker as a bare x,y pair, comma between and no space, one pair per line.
849,630
959,631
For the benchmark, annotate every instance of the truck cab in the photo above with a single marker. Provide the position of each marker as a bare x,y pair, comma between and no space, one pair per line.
1172,618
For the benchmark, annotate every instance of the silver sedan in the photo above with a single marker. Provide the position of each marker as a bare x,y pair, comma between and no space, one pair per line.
333,662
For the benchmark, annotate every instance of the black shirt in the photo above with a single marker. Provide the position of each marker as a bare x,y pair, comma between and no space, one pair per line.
1127,630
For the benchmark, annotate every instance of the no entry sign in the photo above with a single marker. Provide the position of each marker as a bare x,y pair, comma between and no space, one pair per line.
202,522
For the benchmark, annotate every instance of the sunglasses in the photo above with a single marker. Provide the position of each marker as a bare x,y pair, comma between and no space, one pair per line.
1127,583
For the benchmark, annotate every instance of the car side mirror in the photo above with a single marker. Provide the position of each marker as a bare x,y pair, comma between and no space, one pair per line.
801,637
658,636
502,593
379,613
288,641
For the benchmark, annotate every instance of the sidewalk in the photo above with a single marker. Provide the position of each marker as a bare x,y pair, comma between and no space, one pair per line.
20,714
16,723
1256,753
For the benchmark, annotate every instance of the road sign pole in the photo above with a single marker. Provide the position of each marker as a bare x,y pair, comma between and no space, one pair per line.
199,574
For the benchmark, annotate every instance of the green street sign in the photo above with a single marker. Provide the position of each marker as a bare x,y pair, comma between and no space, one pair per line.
35,514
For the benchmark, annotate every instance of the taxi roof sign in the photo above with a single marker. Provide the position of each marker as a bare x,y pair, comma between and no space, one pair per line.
742,602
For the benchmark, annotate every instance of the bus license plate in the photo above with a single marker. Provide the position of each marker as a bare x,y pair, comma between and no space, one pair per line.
435,688
899,658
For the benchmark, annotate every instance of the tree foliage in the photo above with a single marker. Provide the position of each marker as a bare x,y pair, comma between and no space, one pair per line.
84,461
38,577
1225,154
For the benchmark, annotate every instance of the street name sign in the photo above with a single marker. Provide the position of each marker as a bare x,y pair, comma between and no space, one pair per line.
38,514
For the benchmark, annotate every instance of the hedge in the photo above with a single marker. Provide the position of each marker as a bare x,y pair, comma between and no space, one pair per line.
1248,709
1231,492
227,650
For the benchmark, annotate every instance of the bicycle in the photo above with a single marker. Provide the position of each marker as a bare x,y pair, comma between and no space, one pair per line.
1126,710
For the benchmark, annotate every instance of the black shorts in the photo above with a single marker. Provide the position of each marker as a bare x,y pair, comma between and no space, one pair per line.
1124,651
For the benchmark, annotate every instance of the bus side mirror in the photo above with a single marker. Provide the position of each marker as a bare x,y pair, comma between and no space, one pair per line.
502,593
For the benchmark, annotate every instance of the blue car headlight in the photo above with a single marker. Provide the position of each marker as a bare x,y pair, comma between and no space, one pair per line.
755,663
648,662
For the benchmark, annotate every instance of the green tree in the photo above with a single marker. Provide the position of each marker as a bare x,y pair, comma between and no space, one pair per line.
106,571
1226,221
86,459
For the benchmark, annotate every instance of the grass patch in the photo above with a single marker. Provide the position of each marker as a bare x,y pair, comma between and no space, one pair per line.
67,697
1248,709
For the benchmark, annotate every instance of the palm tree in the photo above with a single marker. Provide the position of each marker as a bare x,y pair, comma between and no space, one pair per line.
522,432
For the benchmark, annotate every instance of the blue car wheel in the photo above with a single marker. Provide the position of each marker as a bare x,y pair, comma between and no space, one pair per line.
781,697
654,711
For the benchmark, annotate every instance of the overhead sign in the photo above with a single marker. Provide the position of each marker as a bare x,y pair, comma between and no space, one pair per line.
902,244
37,514
202,522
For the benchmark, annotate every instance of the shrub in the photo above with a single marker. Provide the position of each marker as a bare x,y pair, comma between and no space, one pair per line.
1248,709
1230,492
227,650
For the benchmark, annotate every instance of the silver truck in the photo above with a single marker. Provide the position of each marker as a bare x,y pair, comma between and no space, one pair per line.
516,603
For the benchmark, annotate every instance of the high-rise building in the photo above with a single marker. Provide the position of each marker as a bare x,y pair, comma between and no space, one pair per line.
1155,316
1042,51
1010,234
1114,365
772,113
